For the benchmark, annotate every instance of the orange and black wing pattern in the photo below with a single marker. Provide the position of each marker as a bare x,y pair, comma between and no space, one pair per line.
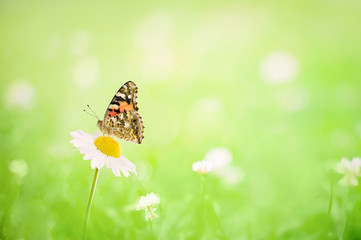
122,118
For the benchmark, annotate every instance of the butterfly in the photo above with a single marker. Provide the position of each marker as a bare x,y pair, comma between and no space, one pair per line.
122,118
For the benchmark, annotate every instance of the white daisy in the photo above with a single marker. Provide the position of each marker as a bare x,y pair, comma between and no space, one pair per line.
350,169
148,203
202,167
219,158
102,151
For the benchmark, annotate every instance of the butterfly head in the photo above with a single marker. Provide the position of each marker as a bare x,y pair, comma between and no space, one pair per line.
100,125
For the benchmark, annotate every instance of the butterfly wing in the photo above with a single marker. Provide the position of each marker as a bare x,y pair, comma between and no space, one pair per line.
121,118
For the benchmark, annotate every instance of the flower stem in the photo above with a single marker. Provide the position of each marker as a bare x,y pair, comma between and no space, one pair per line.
151,229
95,179
345,206
331,198
203,186
208,206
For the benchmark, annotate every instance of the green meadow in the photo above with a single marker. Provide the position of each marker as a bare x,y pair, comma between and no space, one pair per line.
274,84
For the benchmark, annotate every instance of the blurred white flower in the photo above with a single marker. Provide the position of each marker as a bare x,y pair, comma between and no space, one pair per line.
148,203
19,94
149,200
86,72
202,167
350,169
231,175
218,161
102,151
18,168
219,158
278,67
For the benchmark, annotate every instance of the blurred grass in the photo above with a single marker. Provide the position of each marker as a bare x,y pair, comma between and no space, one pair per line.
180,53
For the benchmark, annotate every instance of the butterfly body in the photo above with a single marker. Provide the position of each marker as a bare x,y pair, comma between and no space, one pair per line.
122,118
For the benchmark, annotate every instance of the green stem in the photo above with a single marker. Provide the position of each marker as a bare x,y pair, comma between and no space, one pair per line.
151,229
331,199
95,179
203,186
207,203
345,207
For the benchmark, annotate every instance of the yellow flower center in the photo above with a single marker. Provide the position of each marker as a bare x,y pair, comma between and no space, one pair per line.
108,146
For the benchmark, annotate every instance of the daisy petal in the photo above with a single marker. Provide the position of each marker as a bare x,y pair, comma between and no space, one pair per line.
78,134
120,164
125,172
101,162
116,172
131,166
94,163
96,134
90,154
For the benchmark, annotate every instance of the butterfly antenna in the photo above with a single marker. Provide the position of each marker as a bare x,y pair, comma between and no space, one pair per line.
89,113
93,112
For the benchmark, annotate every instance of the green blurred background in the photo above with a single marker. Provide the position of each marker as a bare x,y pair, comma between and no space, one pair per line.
277,83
